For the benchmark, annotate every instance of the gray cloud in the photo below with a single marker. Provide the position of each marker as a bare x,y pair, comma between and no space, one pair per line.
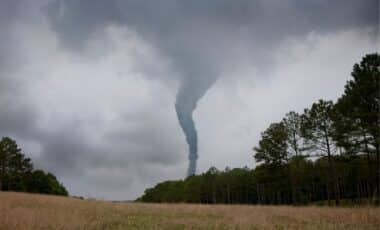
192,32
88,87
195,35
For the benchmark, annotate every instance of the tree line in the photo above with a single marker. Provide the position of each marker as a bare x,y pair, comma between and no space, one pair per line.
329,153
17,173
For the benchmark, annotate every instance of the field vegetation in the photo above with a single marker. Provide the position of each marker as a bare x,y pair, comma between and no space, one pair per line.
32,211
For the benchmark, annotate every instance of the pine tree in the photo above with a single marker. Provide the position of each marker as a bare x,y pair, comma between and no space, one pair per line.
318,130
359,109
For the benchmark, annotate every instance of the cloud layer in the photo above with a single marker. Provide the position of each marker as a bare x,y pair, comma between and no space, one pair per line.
88,87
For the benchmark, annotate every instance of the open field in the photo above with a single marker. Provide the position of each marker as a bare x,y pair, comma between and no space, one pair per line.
26,211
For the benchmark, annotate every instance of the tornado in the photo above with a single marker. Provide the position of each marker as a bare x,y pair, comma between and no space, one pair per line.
191,90
185,118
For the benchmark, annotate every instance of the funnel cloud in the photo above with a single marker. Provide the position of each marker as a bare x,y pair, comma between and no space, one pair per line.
186,102
185,118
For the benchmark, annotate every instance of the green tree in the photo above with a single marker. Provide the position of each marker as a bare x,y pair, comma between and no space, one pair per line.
301,174
295,141
359,106
318,131
16,172
273,145
13,165
274,149
296,147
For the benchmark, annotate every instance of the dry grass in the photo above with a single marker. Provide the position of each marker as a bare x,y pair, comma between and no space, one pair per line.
26,211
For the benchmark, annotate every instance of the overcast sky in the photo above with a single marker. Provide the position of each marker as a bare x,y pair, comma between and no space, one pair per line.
87,88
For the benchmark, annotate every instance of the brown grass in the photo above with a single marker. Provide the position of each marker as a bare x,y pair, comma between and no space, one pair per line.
26,211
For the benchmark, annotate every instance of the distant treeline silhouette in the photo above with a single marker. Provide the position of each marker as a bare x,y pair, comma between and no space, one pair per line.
17,173
328,153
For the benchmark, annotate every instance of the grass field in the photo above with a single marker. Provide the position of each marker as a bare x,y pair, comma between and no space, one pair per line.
26,211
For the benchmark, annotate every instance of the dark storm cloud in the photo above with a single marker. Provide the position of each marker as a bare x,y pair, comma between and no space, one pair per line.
200,38
62,144
185,29
64,151
17,116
